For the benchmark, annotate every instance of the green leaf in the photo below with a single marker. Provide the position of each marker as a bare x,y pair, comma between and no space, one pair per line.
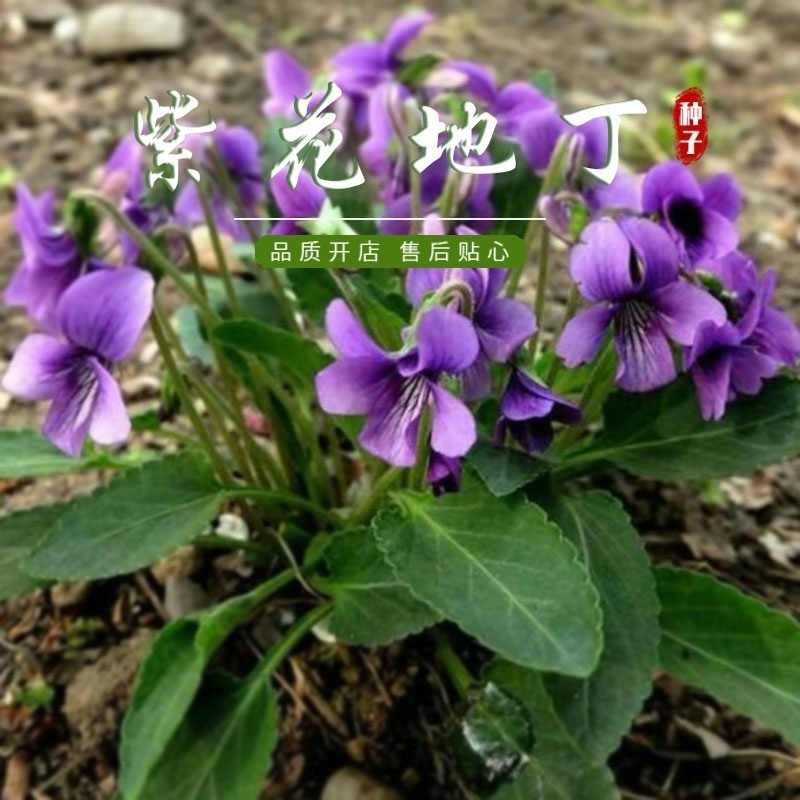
495,736
223,748
499,570
371,607
599,710
661,434
301,356
514,193
414,71
19,534
503,469
168,681
138,518
27,454
314,289
732,646
560,767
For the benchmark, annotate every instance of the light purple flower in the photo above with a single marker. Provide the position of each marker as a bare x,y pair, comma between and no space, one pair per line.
501,324
50,262
286,80
100,317
304,201
528,410
699,217
393,390
629,269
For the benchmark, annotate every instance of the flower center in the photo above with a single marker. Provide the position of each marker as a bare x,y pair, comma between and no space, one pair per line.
686,217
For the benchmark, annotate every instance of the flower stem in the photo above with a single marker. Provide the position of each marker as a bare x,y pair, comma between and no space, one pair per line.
282,498
214,542
569,313
453,665
292,638
219,251
419,473
367,506
541,286
157,326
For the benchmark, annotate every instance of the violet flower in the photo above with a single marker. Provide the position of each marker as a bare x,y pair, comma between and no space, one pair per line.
50,262
736,357
501,324
100,316
286,80
304,201
629,268
528,410
393,390
238,151
362,66
444,474
699,217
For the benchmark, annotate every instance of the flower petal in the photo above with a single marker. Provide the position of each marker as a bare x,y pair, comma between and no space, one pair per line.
70,416
110,423
38,368
683,307
583,334
401,34
722,194
351,386
285,79
655,251
668,180
601,263
502,326
347,333
645,357
446,342
305,200
453,430
421,281
711,379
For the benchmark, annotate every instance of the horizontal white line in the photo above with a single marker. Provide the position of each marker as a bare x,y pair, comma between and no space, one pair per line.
394,219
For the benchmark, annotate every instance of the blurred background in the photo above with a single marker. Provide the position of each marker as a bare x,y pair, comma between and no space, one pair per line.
72,74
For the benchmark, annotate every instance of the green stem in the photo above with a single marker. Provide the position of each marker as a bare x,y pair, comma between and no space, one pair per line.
219,250
214,542
191,250
292,638
282,498
569,313
367,506
456,669
419,473
541,285
157,325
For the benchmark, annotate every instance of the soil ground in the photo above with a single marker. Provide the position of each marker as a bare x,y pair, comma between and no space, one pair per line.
386,711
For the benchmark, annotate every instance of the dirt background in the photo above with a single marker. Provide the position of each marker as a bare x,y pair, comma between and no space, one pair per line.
68,655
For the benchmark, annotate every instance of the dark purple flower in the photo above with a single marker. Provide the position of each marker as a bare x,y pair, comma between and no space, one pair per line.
444,474
393,390
528,410
50,262
629,268
100,316
304,201
362,66
501,324
238,151
699,217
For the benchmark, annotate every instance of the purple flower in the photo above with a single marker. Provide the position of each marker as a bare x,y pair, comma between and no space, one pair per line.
444,474
238,151
629,269
364,65
285,80
100,316
50,262
393,390
699,217
736,357
539,131
304,201
501,324
528,410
